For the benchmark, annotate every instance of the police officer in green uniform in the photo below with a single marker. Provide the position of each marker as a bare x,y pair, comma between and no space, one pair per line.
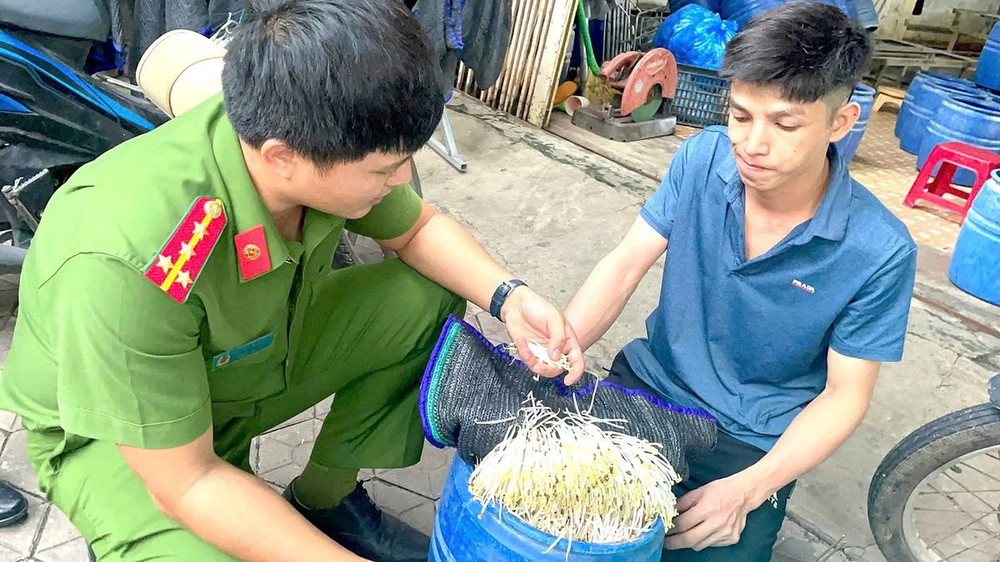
178,300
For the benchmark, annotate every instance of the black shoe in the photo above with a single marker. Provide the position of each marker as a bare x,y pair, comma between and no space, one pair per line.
13,505
361,527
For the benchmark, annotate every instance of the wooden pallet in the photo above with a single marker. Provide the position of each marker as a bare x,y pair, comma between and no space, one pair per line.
896,53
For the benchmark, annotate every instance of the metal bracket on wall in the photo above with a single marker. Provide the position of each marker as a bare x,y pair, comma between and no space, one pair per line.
448,150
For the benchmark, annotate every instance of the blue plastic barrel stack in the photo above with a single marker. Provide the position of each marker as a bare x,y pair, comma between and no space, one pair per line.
988,69
969,119
975,263
927,97
906,108
460,534
919,81
865,96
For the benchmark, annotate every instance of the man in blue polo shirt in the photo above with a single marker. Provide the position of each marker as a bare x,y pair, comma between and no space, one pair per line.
785,286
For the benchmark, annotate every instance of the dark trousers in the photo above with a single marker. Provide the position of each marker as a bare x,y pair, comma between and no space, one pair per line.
729,456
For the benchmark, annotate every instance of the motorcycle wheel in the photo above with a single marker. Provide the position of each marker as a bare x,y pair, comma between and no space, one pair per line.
353,249
936,494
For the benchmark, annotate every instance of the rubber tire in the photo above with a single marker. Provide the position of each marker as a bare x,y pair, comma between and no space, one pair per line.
934,445
347,254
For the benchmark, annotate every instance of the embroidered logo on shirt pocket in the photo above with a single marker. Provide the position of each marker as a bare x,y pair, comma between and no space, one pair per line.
235,354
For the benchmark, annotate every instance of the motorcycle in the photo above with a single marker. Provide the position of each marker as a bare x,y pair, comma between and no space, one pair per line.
936,494
53,119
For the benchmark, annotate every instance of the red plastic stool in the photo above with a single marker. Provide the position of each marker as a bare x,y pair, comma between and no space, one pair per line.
951,156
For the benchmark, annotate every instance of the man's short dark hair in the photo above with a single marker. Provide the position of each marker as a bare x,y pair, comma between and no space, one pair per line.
808,49
335,80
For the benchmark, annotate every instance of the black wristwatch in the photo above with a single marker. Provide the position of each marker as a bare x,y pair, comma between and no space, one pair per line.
500,295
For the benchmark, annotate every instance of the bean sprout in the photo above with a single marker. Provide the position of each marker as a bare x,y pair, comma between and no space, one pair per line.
565,475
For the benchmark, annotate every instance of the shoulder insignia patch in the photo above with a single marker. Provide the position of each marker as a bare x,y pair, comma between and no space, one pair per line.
180,261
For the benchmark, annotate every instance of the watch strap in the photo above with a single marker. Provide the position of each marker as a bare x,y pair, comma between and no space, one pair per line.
500,295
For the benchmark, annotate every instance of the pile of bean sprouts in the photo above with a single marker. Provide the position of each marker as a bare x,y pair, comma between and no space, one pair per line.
566,475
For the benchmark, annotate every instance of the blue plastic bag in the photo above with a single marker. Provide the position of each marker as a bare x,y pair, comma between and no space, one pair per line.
696,36
677,22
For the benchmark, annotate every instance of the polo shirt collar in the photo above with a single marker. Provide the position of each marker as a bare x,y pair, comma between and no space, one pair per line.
830,220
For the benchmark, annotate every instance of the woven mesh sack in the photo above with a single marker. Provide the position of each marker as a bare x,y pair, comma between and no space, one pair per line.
470,381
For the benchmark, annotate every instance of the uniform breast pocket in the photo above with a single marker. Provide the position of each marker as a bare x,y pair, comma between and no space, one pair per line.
245,374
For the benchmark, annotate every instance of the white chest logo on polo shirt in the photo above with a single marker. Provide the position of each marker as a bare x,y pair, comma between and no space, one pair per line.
804,286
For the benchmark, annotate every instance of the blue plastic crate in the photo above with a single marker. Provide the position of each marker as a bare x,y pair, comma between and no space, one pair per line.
702,98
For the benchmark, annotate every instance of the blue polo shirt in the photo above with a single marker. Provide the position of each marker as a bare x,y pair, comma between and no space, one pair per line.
747,340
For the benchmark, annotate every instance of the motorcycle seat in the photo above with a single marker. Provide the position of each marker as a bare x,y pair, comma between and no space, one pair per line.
87,19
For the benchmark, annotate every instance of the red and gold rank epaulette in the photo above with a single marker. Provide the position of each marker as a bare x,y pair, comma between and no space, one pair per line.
177,265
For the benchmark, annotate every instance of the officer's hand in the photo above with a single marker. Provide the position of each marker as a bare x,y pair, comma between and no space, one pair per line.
530,317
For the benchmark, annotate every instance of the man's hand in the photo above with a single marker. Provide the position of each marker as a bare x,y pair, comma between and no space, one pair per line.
713,515
528,316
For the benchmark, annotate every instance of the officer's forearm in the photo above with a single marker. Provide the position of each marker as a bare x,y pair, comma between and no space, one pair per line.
239,514
447,254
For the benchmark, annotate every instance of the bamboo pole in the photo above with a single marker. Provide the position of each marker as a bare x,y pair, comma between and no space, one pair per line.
538,48
525,30
538,26
545,81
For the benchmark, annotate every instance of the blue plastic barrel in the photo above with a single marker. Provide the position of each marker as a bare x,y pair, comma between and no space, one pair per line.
865,96
972,120
975,263
988,68
742,11
988,94
926,102
676,5
864,11
919,82
461,534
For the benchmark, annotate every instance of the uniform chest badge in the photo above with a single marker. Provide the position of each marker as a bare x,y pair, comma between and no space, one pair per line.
251,252
180,261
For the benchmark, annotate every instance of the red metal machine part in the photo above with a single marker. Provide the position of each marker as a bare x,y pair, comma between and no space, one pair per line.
635,74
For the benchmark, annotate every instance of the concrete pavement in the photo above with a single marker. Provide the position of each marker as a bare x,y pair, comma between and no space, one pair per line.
549,210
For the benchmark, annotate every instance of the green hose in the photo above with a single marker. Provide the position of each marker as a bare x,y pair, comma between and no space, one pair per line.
584,29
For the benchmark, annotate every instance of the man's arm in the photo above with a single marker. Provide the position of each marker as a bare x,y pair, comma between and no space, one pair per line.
603,296
441,250
715,514
234,511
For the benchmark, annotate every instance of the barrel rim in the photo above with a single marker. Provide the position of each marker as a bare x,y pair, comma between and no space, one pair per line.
865,88
980,103
948,86
940,77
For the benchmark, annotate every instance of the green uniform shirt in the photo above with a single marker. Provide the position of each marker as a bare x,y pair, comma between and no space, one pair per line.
102,352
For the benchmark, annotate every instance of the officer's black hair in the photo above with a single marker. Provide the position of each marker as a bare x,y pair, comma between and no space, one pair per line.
335,80
810,50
